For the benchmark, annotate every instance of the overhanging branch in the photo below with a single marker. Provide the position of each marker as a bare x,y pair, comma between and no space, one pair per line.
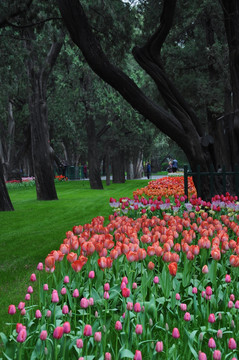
80,32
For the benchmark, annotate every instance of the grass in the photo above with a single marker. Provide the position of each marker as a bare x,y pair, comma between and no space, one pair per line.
35,228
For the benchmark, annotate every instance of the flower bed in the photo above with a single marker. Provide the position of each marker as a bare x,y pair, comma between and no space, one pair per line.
166,187
138,287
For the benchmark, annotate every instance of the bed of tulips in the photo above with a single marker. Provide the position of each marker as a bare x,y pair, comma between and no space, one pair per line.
158,283
167,186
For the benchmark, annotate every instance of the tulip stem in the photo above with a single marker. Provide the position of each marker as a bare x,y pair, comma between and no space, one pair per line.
20,352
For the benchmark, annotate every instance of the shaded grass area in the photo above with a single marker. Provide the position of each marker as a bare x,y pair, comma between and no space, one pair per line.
35,228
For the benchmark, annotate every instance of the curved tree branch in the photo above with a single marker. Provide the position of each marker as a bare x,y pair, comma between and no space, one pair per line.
80,32
149,58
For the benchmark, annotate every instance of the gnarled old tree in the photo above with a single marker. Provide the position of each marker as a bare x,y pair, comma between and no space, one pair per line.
216,144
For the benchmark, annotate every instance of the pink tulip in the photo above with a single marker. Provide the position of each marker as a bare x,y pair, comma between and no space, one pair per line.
79,343
139,329
205,269
63,291
211,343
125,280
202,356
45,287
33,277
208,291
106,295
19,327
129,306
21,305
97,336
91,274
27,297
43,335
65,309
230,304
40,266
211,318
159,346
137,307
23,312
138,355
66,327
228,278
194,290
91,301
54,296
106,287
66,279
183,307
76,293
187,316
81,358
38,314
232,297
107,356
232,344
48,313
30,289
156,280
175,333
118,325
88,330
178,297
219,334
217,355
11,309
58,332
21,337
134,285
84,303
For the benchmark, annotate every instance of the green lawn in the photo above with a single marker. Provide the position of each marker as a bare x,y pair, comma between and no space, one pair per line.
35,228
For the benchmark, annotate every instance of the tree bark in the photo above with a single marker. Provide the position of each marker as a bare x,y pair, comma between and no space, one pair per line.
118,168
93,156
5,202
41,154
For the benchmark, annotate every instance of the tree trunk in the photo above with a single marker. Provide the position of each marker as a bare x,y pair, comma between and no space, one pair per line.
118,168
5,202
41,154
138,165
107,166
93,155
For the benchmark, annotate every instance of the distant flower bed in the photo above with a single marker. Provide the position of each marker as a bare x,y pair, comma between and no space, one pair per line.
167,186
60,178
25,183
140,287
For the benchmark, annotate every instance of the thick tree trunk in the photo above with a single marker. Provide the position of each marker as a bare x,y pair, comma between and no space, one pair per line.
38,76
42,160
118,168
5,202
